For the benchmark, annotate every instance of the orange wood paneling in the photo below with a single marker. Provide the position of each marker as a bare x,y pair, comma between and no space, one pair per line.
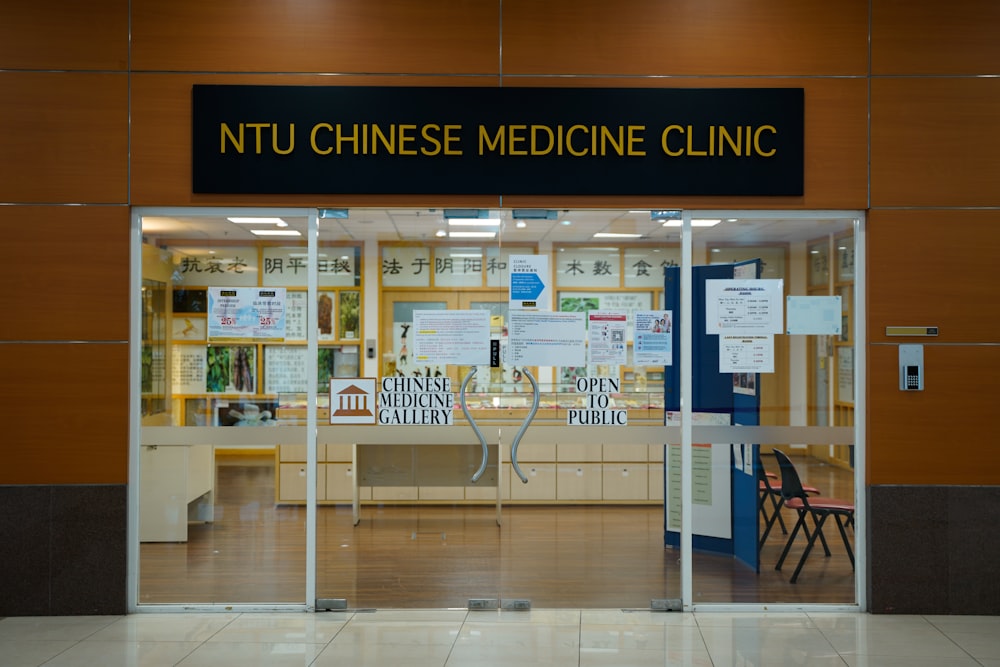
65,137
391,36
957,37
67,407
161,142
935,141
64,35
945,434
65,273
685,37
934,268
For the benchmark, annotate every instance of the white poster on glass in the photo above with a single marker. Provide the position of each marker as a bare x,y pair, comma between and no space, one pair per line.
529,276
653,338
459,337
540,338
746,354
606,331
744,306
239,314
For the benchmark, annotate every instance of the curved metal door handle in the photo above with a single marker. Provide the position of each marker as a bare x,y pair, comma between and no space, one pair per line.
475,427
524,426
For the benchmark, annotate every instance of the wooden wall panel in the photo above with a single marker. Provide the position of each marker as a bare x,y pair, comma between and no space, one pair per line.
67,408
957,37
65,273
685,37
65,137
64,35
935,141
934,268
392,36
161,142
945,434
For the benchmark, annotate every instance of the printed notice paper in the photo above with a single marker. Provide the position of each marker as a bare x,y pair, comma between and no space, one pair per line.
246,314
744,306
653,338
746,354
460,337
528,276
607,337
540,338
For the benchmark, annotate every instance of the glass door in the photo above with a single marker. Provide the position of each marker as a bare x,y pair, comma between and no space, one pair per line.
774,491
219,436
420,533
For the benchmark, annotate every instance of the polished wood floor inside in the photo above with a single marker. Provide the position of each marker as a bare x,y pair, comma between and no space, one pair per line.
586,556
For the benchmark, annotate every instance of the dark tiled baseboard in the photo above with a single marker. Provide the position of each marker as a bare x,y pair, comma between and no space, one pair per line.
933,549
63,550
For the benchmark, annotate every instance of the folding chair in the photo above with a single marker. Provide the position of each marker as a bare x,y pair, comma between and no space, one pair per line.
819,508
769,489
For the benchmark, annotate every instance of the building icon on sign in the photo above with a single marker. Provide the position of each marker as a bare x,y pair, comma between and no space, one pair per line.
352,401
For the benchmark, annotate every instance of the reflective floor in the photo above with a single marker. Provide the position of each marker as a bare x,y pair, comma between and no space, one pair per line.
450,638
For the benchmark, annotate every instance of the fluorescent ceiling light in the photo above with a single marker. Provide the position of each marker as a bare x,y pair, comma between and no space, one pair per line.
615,235
472,222
476,255
472,235
705,222
258,221
440,233
275,232
521,224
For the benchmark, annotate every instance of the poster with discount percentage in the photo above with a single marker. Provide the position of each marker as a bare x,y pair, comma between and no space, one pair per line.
240,314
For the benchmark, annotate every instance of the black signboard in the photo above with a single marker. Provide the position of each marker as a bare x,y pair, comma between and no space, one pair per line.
506,141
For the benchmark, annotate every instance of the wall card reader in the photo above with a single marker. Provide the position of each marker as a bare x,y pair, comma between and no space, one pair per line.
911,367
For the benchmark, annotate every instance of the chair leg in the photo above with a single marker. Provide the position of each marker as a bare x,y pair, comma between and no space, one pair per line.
818,532
843,534
769,519
822,537
788,545
778,504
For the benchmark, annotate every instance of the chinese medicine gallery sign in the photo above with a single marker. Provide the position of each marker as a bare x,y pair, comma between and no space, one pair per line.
468,140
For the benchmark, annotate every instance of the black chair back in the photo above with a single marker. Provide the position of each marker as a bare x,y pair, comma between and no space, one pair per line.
791,485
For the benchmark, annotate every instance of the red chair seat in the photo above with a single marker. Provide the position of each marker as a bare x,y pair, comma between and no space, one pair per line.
776,488
821,504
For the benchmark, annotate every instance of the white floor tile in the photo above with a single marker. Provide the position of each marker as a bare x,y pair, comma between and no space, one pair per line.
620,617
30,652
223,654
979,645
897,661
61,628
399,632
459,638
262,628
769,646
634,657
382,655
165,627
526,639
124,654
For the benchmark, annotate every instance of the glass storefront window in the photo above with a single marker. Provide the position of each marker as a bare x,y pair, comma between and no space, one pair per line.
218,499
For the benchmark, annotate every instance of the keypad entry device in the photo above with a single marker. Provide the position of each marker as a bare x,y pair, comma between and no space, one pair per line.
911,367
